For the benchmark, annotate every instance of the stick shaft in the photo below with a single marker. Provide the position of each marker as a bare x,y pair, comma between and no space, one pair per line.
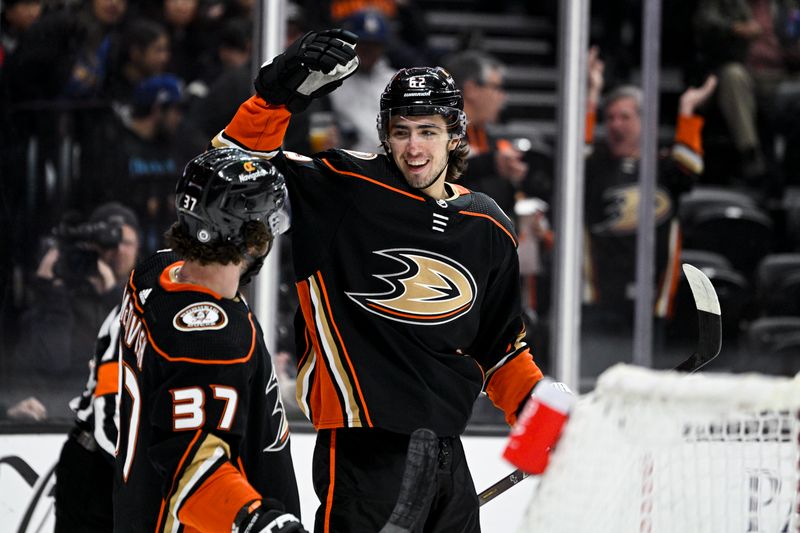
709,344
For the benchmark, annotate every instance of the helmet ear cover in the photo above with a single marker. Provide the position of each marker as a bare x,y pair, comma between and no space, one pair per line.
223,189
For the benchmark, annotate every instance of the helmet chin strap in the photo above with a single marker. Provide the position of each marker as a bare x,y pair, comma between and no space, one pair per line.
254,264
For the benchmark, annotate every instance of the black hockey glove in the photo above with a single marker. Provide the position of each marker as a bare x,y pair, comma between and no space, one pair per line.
312,66
269,518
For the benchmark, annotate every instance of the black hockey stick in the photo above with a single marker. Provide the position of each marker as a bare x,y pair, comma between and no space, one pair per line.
709,344
418,483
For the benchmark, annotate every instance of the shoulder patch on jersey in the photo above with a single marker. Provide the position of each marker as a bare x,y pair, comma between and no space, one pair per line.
294,156
366,156
200,316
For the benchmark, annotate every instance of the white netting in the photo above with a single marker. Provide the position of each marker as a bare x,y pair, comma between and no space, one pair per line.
662,452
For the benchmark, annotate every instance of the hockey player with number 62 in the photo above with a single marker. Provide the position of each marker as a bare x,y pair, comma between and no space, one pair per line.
408,286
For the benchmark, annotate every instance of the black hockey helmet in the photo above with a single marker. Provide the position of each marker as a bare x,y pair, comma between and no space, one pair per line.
423,91
222,189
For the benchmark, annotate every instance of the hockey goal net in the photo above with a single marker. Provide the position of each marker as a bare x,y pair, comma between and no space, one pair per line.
661,452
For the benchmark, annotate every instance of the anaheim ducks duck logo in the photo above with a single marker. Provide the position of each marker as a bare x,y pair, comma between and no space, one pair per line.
622,210
431,289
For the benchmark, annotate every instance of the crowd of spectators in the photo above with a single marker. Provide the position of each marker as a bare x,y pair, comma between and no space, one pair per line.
103,101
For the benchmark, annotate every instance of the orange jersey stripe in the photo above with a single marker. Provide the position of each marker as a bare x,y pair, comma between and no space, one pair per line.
259,126
168,357
107,379
376,182
669,285
309,347
133,294
168,284
591,121
511,384
496,223
689,132
331,483
461,190
214,505
344,8
417,317
175,479
477,139
344,348
324,400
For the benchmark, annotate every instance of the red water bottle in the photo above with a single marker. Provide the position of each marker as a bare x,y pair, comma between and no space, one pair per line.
539,426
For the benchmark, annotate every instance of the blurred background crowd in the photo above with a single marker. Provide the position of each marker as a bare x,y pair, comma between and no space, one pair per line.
103,102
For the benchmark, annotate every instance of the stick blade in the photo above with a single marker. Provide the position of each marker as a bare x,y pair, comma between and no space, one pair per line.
709,342
418,482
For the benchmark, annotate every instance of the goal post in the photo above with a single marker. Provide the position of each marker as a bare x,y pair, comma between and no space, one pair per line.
660,452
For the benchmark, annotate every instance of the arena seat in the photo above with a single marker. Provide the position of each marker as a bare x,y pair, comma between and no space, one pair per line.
778,285
742,234
773,345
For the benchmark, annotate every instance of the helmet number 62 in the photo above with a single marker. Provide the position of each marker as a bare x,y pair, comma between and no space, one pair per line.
416,82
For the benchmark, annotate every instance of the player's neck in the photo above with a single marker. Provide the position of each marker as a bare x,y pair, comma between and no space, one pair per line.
222,279
436,190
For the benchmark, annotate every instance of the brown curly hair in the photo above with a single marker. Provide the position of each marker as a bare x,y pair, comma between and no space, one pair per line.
256,237
458,160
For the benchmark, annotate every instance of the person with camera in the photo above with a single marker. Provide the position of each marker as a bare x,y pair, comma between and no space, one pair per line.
77,283
88,452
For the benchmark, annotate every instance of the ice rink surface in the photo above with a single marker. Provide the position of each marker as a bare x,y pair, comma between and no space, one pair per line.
25,461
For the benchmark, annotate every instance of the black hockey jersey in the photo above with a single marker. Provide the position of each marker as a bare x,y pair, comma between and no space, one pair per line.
409,306
202,426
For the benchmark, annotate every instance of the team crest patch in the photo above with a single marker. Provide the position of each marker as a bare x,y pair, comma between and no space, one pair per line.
361,155
200,316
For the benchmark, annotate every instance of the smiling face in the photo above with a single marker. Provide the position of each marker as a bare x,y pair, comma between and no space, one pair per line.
623,126
420,147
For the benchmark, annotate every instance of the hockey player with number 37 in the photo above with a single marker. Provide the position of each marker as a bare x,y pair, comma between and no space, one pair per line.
408,286
203,440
